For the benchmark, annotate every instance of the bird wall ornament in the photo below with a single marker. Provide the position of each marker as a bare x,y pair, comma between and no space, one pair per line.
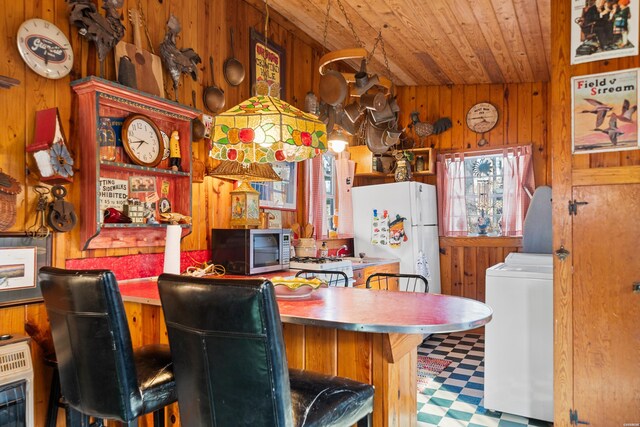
177,61
423,129
105,31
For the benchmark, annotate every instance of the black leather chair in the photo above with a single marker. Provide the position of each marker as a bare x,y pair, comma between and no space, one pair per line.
100,373
333,278
404,282
231,366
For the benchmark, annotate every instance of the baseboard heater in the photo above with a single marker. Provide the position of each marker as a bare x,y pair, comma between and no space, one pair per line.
16,383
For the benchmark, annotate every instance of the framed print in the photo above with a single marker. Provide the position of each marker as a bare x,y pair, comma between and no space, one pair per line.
604,112
281,194
21,256
603,29
267,63
142,184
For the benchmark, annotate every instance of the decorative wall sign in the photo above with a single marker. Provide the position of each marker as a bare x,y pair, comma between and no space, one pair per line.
267,64
603,29
113,193
604,116
21,257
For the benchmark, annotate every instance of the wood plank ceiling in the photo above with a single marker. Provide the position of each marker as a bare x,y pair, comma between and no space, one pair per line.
437,42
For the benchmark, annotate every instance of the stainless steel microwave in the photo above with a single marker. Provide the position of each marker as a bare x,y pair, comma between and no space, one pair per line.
251,251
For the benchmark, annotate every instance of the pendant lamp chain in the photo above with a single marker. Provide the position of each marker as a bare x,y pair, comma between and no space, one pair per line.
346,17
326,27
379,39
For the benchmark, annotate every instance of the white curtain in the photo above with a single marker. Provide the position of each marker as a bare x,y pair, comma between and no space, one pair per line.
345,170
518,188
452,208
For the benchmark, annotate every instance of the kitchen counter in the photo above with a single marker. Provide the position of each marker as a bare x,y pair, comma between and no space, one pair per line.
363,334
362,310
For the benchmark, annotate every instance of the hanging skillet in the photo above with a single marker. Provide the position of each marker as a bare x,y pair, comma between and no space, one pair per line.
213,96
233,69
333,87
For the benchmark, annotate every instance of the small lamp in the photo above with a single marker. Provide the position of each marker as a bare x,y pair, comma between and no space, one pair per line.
337,141
245,206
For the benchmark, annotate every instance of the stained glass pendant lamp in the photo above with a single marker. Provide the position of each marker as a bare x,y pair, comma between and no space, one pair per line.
265,129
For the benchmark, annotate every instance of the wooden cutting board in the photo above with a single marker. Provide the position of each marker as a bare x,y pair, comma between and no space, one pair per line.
148,66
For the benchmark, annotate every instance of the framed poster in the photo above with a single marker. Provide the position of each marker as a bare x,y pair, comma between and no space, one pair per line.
21,256
267,63
603,29
604,112
280,194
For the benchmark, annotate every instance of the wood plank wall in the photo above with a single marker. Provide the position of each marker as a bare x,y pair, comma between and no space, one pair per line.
571,171
523,120
205,27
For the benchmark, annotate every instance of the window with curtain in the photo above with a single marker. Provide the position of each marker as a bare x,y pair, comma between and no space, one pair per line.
328,163
484,193
328,195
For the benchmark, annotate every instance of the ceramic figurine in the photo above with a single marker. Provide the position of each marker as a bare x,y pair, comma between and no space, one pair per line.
483,223
174,149
177,61
175,218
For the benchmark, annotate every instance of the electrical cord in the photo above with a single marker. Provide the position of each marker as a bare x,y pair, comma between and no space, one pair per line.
205,269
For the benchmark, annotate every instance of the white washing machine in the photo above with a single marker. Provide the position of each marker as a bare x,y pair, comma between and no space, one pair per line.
519,339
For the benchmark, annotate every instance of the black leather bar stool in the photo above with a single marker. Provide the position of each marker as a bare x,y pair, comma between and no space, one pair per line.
231,366
100,373
73,418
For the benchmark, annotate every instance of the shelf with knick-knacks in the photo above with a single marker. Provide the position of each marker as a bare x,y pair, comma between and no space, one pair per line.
136,165
370,165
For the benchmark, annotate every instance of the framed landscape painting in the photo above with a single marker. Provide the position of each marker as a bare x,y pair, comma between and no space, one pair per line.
21,256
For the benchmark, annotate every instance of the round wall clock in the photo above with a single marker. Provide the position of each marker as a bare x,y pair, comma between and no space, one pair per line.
45,48
142,140
482,117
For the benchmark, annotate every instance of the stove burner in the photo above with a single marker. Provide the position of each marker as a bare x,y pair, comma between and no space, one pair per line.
315,260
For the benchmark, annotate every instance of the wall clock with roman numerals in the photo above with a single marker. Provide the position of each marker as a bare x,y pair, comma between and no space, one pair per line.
45,48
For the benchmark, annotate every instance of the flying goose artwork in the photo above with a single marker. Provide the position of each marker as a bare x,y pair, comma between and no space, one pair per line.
627,112
612,131
600,110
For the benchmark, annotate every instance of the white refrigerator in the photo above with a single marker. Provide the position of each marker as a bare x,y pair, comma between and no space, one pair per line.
418,250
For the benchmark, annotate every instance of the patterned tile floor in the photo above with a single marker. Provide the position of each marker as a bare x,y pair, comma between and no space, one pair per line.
454,397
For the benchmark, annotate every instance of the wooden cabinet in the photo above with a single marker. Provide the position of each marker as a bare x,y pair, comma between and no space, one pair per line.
360,275
104,103
364,161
